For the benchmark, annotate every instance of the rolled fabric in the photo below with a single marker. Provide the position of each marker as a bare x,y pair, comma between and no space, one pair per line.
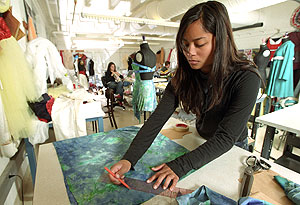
291,189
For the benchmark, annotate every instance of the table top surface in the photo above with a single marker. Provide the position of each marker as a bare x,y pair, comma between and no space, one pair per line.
285,119
50,183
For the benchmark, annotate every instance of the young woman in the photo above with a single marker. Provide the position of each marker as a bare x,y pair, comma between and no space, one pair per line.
114,80
214,82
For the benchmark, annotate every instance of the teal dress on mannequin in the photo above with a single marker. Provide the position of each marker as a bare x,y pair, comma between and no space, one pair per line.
144,94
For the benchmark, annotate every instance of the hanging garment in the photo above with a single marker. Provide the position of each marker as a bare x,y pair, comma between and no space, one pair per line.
295,38
280,82
4,5
91,68
82,81
273,44
173,59
169,56
31,30
46,62
7,147
16,85
68,59
144,94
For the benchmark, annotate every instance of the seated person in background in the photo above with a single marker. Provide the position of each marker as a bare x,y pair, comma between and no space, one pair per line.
165,70
114,81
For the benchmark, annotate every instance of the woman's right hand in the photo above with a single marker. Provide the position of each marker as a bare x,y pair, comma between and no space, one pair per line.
119,169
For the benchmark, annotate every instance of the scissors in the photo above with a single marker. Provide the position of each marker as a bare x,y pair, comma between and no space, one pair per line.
253,165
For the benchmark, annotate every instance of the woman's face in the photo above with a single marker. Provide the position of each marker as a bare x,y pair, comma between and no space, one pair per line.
199,47
112,68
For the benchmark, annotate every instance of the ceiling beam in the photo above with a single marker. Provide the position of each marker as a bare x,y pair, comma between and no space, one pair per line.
130,20
97,37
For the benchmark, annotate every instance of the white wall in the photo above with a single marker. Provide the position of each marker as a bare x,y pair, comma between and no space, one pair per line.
275,18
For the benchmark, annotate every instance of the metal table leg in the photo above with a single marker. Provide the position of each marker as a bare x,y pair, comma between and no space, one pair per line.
268,142
31,157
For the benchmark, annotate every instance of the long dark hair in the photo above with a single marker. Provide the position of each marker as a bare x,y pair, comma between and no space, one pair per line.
186,82
108,72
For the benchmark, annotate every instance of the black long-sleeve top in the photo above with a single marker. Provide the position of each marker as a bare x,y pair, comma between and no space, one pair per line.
110,78
222,126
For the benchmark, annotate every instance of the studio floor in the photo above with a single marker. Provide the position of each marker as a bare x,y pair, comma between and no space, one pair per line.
126,118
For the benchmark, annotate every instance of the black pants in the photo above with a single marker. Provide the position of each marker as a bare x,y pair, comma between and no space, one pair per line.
118,87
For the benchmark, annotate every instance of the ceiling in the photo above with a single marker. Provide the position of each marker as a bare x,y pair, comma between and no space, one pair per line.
112,24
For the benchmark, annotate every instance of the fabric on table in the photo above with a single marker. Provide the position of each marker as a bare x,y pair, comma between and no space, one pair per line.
291,189
83,160
68,115
252,201
41,133
204,195
144,94
40,108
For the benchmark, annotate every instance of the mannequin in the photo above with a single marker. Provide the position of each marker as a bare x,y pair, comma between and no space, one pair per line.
261,59
82,77
144,94
146,57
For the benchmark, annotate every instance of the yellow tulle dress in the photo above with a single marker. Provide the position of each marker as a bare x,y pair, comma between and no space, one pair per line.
16,85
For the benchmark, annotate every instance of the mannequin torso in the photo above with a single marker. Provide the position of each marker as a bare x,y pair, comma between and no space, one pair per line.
261,59
145,56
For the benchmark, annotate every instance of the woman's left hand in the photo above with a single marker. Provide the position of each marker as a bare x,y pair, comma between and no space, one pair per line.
163,172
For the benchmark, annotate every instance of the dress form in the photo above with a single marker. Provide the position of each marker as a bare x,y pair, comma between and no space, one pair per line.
261,59
145,56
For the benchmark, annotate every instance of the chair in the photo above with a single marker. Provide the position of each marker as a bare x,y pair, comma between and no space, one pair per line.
289,159
109,108
104,82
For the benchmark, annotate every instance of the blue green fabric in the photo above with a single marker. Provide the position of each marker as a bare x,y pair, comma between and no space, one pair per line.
291,189
280,83
143,95
252,201
83,160
206,196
